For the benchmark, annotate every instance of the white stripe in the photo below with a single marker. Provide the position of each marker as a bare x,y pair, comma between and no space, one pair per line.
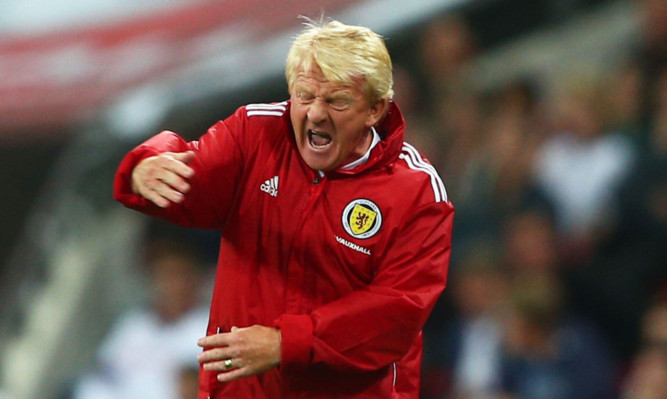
435,178
436,182
420,161
434,185
282,103
281,106
395,375
268,113
266,107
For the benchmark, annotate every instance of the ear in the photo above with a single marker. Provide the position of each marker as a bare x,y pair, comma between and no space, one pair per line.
376,112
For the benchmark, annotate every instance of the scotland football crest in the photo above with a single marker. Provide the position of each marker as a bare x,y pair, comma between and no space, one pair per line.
362,218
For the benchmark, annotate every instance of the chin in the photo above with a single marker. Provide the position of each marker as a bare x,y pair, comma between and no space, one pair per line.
318,165
314,161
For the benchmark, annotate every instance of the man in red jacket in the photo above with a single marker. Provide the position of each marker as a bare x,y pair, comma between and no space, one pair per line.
336,234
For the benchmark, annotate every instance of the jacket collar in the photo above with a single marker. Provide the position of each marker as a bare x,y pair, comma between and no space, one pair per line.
392,133
364,159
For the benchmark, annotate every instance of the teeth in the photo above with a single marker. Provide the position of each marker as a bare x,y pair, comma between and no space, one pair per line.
318,139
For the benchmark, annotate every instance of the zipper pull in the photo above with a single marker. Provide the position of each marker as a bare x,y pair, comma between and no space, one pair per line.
319,177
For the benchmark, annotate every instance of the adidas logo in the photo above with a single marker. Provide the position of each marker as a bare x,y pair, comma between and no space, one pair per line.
270,186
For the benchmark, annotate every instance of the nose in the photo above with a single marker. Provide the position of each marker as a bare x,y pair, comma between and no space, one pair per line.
317,111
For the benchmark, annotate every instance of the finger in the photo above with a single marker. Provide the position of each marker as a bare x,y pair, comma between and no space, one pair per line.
175,181
185,157
220,366
159,201
222,339
167,192
215,354
156,198
232,375
160,176
178,163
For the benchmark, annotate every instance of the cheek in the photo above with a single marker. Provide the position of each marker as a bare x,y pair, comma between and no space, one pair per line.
297,117
344,122
349,127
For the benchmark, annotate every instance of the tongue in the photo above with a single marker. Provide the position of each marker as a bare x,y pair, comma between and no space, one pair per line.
319,140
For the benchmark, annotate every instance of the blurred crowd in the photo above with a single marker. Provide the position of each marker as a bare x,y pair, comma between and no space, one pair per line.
558,284
558,281
150,350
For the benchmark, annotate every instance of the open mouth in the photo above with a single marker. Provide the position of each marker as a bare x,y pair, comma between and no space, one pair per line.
318,139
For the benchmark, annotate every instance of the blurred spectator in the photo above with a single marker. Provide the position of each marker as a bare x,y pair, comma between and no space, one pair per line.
623,96
494,175
530,244
630,265
147,348
468,351
446,46
408,97
580,166
654,325
657,142
531,251
458,124
648,373
652,54
549,354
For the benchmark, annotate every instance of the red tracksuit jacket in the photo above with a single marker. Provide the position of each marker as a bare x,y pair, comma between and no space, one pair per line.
348,265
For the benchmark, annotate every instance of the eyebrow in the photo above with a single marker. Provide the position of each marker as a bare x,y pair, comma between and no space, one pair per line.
345,91
339,96
336,93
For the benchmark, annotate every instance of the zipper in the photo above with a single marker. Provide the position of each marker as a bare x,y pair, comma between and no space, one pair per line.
294,276
318,178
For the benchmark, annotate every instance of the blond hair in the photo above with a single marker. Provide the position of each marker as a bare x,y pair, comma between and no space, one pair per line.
344,53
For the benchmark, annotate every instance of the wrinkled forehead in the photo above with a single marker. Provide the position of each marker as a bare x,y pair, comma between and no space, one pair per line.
313,76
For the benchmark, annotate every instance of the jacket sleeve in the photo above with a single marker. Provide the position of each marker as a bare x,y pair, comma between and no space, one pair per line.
373,327
217,165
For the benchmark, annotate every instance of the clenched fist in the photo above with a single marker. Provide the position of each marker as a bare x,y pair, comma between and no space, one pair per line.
163,178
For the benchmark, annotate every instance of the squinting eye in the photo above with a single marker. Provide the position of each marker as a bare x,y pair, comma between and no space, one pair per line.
305,97
340,104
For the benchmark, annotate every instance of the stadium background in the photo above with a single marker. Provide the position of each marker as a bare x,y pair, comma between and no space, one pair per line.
83,82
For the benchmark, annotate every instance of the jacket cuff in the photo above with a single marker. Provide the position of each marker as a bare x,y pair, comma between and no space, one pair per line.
297,340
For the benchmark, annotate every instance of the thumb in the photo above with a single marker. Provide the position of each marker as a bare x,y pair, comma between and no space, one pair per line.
234,328
185,157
